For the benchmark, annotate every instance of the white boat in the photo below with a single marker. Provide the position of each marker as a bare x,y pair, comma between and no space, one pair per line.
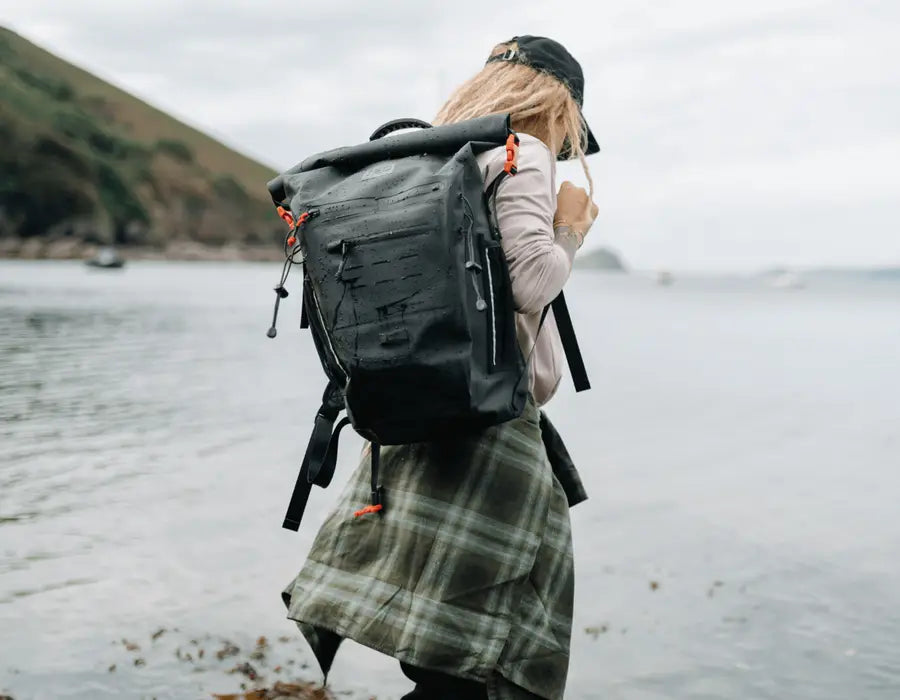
788,280
664,278
106,258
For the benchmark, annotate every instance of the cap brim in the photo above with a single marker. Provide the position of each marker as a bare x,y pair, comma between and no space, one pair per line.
591,147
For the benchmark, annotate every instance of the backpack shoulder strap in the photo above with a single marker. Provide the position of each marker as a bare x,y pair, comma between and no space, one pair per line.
570,343
560,308
490,196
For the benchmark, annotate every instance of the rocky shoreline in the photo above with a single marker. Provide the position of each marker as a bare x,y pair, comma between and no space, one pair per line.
182,250
260,669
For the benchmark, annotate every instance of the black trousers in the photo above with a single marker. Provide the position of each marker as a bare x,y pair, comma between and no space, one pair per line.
431,685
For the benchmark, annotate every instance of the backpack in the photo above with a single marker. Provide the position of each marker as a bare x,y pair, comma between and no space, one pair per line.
406,291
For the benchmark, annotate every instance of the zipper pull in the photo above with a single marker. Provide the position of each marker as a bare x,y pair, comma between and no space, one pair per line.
472,265
280,293
345,249
474,268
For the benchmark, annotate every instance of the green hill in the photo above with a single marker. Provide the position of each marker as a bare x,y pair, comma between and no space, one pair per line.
85,162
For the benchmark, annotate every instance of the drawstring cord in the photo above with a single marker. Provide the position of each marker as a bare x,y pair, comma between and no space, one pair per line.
293,255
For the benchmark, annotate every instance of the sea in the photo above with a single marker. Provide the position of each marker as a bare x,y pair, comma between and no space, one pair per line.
740,446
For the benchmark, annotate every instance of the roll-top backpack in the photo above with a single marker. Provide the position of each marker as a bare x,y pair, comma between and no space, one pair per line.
406,291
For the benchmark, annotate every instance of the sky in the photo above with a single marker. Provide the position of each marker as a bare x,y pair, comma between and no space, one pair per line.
736,135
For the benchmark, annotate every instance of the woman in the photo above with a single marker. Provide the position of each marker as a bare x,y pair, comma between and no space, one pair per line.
468,579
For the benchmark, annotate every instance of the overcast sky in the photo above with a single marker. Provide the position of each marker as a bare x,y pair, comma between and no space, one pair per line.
735,134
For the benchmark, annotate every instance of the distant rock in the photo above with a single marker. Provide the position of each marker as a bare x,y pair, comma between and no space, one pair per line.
601,259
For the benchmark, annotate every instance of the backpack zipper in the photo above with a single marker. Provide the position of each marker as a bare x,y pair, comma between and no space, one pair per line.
490,277
471,265
312,212
334,355
356,206
338,243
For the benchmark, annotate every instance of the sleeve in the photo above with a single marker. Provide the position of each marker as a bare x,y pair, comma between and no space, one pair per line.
539,263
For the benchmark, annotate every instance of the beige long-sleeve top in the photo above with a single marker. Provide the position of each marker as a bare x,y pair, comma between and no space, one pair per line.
539,261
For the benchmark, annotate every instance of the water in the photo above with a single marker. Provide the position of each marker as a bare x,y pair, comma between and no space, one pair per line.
740,448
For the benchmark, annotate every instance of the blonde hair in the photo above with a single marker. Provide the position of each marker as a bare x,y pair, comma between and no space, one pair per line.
538,104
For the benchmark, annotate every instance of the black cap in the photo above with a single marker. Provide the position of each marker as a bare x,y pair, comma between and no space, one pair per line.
548,56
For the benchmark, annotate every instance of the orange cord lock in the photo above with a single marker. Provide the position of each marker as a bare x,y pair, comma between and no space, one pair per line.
512,155
286,215
367,510
291,240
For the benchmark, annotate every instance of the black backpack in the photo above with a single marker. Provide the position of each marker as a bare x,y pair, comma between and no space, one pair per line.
406,291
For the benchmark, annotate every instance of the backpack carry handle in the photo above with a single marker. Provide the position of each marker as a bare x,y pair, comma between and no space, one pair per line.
396,125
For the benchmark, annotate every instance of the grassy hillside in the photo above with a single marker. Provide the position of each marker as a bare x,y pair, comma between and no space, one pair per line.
85,161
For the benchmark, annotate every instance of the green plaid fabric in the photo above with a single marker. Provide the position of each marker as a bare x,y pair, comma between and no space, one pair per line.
468,571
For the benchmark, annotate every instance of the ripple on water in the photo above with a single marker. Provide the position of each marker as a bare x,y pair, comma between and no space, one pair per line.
71,583
149,436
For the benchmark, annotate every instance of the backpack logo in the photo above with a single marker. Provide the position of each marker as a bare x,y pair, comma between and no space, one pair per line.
378,171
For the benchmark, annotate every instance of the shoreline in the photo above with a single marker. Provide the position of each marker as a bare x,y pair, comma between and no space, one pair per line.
176,250
213,666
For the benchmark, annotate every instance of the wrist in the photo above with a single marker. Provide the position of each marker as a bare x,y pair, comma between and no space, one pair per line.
565,230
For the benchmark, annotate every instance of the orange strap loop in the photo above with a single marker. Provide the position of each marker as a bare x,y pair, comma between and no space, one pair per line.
289,219
286,216
512,155
367,510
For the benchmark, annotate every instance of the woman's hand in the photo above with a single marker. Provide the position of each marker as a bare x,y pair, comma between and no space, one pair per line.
574,209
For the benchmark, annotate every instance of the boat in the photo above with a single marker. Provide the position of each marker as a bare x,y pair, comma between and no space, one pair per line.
106,258
664,278
788,280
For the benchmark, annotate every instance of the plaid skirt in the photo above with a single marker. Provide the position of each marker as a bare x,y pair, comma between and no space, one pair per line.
468,570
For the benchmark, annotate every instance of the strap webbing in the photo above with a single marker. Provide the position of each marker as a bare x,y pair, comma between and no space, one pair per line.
305,301
320,457
377,491
323,475
570,343
299,497
490,195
